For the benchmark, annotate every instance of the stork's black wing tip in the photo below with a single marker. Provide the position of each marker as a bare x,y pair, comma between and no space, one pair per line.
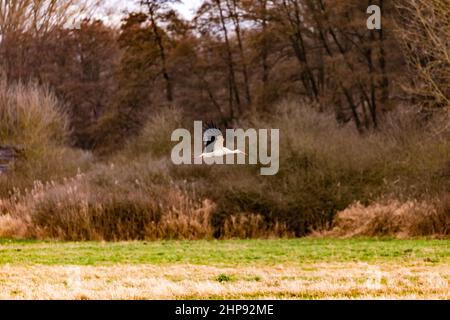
209,125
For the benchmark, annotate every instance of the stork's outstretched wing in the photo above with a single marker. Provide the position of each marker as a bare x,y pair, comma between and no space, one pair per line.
210,135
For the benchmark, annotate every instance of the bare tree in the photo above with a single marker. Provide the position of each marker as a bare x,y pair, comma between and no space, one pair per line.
425,30
157,11
234,13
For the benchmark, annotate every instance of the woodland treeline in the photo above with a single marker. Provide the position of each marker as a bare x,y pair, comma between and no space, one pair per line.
233,60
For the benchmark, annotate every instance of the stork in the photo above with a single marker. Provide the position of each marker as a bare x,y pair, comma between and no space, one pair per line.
213,140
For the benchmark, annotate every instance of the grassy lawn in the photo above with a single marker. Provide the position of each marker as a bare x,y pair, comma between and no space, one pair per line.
223,253
295,268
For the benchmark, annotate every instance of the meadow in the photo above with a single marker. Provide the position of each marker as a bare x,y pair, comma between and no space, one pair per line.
93,207
307,268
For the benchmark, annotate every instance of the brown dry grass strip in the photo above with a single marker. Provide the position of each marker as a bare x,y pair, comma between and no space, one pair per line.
327,280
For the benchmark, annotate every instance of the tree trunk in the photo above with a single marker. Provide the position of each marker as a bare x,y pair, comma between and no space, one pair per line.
162,54
384,83
232,73
237,30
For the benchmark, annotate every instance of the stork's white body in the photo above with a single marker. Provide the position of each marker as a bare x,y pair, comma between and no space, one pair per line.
219,150
220,153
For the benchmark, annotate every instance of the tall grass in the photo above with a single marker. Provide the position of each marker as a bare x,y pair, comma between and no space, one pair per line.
394,218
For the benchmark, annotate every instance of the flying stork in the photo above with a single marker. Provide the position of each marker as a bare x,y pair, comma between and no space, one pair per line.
213,140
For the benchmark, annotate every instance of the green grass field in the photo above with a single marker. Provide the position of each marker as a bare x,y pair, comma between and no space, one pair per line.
294,268
224,253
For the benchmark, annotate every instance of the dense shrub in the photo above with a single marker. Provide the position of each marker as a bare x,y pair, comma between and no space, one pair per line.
32,118
394,219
